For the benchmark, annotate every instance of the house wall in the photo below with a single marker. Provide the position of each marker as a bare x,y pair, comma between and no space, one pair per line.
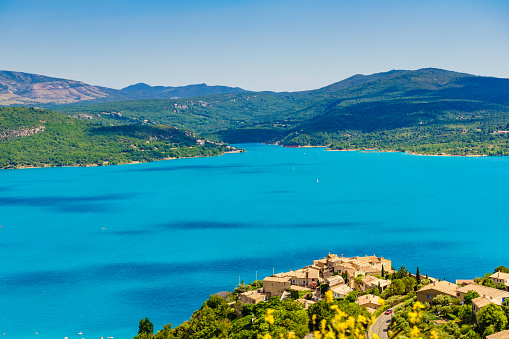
428,295
275,287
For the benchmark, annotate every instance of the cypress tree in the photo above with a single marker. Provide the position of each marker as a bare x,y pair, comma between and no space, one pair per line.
418,276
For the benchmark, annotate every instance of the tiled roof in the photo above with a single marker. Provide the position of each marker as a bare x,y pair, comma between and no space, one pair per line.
500,275
441,286
254,293
342,289
499,335
277,279
484,291
367,299
481,302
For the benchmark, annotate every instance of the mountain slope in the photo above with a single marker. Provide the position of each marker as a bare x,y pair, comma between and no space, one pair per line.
29,89
35,137
143,91
17,88
395,110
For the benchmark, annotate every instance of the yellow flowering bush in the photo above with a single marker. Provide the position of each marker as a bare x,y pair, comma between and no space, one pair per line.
343,326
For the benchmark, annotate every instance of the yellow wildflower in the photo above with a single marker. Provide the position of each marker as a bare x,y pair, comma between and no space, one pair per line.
318,335
269,317
267,336
350,322
291,335
417,305
329,296
414,333
314,319
362,319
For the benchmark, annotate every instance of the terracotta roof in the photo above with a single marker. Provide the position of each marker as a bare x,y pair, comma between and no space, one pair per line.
499,335
342,289
367,299
277,279
444,287
500,275
313,267
335,280
485,291
368,278
481,302
255,293
464,281
305,273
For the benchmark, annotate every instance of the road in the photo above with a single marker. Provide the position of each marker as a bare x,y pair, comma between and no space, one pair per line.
380,326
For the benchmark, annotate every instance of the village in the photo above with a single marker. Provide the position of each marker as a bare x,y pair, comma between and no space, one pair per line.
344,275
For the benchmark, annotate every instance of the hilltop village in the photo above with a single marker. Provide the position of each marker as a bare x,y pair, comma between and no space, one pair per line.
360,275
340,274
365,287
345,275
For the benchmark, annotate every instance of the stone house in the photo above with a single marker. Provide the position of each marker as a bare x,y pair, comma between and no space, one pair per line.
484,291
367,282
430,291
499,335
253,297
276,285
370,301
341,291
501,278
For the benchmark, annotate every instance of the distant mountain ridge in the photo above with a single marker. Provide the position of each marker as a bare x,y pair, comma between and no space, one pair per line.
142,91
18,88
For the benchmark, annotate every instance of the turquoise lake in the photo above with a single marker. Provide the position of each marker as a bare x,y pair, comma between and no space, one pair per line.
94,250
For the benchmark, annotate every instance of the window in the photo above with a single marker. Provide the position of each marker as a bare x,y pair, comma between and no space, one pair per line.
429,296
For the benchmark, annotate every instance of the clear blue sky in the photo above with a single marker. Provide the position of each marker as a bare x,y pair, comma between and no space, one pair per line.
279,45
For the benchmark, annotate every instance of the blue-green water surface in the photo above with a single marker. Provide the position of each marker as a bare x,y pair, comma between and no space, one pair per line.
94,250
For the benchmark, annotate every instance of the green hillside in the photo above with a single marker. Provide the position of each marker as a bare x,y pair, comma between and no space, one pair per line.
428,111
34,137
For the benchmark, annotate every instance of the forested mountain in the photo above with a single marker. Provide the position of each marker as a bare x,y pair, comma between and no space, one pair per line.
430,111
17,88
143,91
35,137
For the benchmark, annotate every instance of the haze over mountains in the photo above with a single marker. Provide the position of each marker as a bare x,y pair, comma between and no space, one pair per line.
17,88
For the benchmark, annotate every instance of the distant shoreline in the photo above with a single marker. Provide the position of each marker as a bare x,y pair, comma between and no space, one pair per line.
383,151
127,163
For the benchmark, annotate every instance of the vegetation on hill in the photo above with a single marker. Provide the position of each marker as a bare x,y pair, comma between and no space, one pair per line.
33,137
428,111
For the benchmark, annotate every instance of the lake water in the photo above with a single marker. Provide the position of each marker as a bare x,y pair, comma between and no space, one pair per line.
94,250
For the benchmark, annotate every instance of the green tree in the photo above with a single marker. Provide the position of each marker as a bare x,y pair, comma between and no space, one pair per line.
469,296
410,283
418,275
397,287
145,329
505,307
465,313
502,269
491,316
165,333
